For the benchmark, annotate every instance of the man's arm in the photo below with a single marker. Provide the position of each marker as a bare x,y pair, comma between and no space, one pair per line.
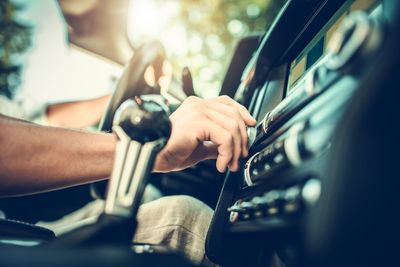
35,158
79,114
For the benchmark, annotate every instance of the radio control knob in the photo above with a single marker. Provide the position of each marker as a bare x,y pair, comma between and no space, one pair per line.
343,35
357,37
314,79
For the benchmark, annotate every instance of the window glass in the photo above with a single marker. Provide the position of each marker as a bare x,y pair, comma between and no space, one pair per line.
200,34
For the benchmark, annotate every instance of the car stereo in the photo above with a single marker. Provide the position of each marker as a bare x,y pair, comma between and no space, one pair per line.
357,38
297,85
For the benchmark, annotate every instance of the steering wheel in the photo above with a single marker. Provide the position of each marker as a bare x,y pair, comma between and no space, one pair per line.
132,83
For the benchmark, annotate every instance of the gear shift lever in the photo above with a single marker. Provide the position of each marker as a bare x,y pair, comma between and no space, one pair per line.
143,128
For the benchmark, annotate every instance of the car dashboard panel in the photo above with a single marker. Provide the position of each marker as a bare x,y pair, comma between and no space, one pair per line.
298,92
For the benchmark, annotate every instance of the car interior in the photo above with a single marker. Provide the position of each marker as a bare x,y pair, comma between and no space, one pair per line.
319,185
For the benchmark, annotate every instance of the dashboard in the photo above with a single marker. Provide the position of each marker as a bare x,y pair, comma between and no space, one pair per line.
298,85
320,184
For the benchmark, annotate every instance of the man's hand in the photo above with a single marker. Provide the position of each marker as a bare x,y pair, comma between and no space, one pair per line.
206,129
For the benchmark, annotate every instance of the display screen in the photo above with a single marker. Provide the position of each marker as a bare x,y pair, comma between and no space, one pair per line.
317,48
272,92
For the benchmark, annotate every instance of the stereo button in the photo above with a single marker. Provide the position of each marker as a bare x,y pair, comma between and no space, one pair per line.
260,206
292,197
357,38
311,191
278,158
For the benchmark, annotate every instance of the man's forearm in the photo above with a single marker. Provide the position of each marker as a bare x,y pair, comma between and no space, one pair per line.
74,115
35,158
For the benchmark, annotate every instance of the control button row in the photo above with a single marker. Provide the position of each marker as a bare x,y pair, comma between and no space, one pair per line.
289,201
271,203
271,157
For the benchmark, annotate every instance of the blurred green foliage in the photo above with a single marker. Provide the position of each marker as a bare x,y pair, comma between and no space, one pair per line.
14,39
217,25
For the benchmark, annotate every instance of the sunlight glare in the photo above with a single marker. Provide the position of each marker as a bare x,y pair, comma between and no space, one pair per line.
149,19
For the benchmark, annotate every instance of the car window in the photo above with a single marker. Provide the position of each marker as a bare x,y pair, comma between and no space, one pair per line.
200,34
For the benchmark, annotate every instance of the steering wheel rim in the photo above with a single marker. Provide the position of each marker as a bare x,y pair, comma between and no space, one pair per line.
131,84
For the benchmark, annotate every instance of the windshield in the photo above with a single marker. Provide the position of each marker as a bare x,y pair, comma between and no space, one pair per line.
200,34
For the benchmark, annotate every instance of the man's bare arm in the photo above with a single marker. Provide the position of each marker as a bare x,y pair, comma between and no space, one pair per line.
35,158
80,114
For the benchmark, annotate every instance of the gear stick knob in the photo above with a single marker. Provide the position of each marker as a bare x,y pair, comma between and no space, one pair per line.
144,119
143,128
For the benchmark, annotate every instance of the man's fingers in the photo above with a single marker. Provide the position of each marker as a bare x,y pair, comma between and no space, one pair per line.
233,126
221,121
233,114
222,138
248,119
204,151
